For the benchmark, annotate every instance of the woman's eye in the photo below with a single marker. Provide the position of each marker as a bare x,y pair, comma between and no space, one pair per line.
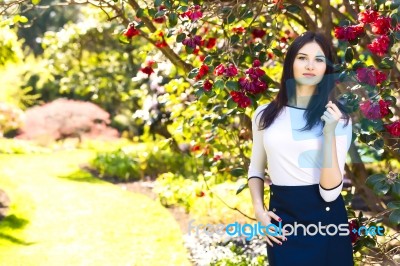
320,60
301,57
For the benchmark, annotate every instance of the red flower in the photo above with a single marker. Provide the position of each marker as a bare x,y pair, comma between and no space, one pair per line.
349,33
194,13
238,30
231,71
380,45
160,44
381,25
394,128
256,63
202,72
195,148
211,43
159,19
131,31
147,70
353,227
192,42
258,33
252,86
240,98
384,107
207,85
219,70
200,194
375,110
368,16
370,76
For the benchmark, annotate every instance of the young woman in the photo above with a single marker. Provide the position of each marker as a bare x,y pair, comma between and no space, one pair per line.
304,135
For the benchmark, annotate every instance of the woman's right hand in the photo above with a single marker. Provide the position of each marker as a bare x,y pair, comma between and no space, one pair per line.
264,217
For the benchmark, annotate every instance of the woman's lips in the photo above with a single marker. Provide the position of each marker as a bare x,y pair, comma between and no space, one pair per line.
309,75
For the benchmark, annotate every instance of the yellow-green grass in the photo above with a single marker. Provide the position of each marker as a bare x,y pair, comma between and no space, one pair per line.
60,215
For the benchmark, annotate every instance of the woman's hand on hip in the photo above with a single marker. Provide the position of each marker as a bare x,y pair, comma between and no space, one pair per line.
264,217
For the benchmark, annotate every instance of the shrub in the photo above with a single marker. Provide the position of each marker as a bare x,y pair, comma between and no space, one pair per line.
11,117
65,118
117,164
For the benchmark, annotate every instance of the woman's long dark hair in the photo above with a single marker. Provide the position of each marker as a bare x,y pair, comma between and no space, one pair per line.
325,89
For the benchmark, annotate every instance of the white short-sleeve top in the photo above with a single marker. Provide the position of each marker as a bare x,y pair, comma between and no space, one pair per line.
294,157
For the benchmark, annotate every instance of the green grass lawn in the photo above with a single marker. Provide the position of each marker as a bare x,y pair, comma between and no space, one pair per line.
61,215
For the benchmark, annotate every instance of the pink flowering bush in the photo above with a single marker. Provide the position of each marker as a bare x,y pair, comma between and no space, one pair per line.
64,118
11,118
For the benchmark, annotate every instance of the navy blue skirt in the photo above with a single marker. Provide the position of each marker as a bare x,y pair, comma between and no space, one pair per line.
312,244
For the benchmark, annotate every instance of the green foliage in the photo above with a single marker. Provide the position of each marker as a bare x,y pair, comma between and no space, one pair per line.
134,162
15,146
117,164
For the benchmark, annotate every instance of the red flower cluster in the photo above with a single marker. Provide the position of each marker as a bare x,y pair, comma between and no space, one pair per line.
210,43
381,25
349,33
202,72
370,75
368,16
394,128
207,85
148,69
194,13
131,31
240,98
239,30
258,33
192,42
375,110
229,71
380,45
253,84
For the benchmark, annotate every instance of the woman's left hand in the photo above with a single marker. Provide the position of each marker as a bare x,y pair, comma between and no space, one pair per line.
331,117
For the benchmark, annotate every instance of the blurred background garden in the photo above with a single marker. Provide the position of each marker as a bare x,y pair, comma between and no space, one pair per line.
121,121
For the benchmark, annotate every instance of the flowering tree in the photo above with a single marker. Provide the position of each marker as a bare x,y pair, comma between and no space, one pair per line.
226,56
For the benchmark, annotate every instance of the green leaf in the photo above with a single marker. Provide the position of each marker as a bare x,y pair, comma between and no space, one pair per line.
277,52
180,37
397,35
172,19
219,84
237,172
157,3
36,2
394,217
373,179
193,73
395,190
189,50
386,63
241,188
381,188
140,12
378,144
168,4
159,14
231,104
232,85
394,205
208,60
235,39
123,39
349,55
293,9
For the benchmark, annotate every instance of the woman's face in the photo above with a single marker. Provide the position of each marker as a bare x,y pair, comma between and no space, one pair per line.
309,65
